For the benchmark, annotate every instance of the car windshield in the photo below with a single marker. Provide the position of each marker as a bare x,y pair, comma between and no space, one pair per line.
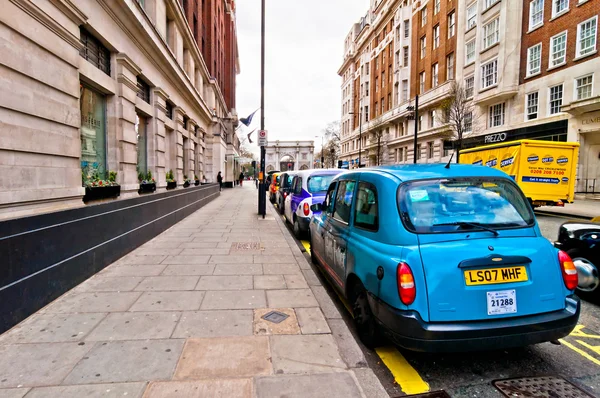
319,183
453,205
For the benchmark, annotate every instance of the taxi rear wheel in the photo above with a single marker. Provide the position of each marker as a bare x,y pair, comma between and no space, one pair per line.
297,230
364,321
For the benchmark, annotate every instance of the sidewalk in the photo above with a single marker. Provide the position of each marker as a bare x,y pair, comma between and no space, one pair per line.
181,316
580,208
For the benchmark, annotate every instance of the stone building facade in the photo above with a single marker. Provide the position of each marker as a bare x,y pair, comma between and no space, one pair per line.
95,86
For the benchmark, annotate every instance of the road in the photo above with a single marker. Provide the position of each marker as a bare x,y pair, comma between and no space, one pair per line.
576,359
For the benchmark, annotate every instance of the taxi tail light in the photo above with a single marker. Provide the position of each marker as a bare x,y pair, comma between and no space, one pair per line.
569,272
406,284
306,209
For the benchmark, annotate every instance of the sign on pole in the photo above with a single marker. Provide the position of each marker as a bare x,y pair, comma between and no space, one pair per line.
262,138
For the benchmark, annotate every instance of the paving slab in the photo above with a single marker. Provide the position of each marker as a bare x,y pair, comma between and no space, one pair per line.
233,357
234,300
199,244
94,302
40,364
338,385
296,282
102,283
113,390
224,282
204,252
13,392
135,326
52,328
168,301
312,321
167,283
281,269
186,260
230,388
263,327
132,270
238,269
127,361
189,269
274,259
269,282
220,323
134,259
172,251
305,354
291,298
347,345
241,259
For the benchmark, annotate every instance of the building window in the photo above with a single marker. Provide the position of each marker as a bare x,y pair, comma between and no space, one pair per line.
450,67
376,84
583,87
398,59
468,122
400,154
470,52
366,88
366,113
418,154
436,36
491,33
536,13
142,150
404,90
497,115
421,82
424,16
532,105
451,24
423,46
94,52
169,112
489,74
556,96
382,105
586,36
472,15
558,49
434,75
534,59
143,90
469,86
559,6
430,150
405,56
489,3
406,28
92,134
436,7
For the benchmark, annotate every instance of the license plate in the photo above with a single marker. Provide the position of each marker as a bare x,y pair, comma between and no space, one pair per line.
502,302
495,275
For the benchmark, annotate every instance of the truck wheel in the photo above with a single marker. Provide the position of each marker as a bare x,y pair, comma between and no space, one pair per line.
366,328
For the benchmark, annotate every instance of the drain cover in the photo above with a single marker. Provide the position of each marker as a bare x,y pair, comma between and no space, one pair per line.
539,387
275,317
433,394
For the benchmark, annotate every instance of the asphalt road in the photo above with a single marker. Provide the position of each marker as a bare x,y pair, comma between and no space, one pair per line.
576,359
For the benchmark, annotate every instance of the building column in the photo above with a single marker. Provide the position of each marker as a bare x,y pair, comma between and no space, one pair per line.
159,162
127,73
180,132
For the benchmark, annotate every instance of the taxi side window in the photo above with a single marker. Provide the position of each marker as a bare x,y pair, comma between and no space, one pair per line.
328,202
343,201
297,185
366,212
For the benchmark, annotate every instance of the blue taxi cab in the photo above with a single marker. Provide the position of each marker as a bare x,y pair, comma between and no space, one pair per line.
443,258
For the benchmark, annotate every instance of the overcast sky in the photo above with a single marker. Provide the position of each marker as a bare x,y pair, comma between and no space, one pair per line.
304,50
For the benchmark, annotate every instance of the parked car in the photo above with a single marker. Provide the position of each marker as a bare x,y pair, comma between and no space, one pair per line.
285,185
269,174
273,186
307,186
442,259
581,241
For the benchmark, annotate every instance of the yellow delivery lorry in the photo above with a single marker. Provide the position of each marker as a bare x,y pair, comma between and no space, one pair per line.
545,170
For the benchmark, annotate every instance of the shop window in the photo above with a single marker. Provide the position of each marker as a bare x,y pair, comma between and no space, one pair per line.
93,134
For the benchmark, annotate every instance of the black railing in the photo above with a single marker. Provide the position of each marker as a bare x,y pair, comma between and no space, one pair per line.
587,185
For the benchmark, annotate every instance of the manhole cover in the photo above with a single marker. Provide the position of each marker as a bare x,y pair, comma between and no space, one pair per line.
275,317
246,246
433,394
539,387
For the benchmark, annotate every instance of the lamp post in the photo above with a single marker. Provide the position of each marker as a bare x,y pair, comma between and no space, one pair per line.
322,149
262,189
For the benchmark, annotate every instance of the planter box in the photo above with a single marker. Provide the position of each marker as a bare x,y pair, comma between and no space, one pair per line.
172,185
147,187
197,182
186,184
95,193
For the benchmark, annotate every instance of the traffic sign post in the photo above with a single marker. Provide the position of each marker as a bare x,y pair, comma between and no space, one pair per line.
262,138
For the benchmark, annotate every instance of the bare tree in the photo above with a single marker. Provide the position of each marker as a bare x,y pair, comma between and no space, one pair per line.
380,138
332,132
457,113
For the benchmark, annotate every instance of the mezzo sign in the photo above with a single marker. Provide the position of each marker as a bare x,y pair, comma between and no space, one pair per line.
492,138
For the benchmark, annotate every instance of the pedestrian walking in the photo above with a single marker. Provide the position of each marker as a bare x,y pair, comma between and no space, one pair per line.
241,178
220,181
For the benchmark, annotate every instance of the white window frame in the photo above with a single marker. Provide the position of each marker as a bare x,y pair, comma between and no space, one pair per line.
436,7
423,46
494,34
530,71
436,36
562,97
537,106
595,36
492,115
406,28
468,127
450,76
422,80
489,3
558,13
551,52
424,16
472,15
576,87
533,25
435,70
483,75
405,56
451,24
472,88
470,59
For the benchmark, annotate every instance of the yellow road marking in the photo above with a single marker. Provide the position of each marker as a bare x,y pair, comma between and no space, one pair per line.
578,332
580,351
405,375
306,245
